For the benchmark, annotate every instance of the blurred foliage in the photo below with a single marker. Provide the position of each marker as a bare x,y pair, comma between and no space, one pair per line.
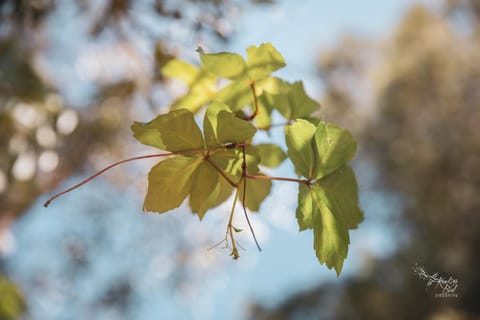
117,48
12,304
422,136
32,103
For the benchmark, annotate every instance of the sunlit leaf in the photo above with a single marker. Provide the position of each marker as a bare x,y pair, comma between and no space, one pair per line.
169,183
271,155
299,142
306,208
263,120
232,129
194,100
330,207
210,123
273,85
205,189
257,191
236,95
224,64
334,148
202,85
181,70
263,60
224,193
339,191
173,131
295,103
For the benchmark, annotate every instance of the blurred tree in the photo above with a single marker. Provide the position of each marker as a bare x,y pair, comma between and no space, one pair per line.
422,136
32,101
108,54
11,301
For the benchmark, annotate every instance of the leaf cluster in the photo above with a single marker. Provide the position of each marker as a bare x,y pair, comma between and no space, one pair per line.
238,97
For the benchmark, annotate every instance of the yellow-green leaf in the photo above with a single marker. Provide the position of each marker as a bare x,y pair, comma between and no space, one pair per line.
236,95
224,64
330,207
232,129
169,183
173,131
339,192
181,70
273,85
205,189
210,123
299,142
334,148
202,84
271,155
295,103
257,191
193,100
263,60
306,207
331,239
12,303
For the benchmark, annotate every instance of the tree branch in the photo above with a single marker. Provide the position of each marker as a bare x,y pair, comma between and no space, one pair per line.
244,177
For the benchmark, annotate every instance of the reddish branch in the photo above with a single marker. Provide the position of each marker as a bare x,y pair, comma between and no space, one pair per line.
255,101
156,155
244,177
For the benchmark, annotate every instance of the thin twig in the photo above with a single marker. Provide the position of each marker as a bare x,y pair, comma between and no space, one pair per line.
307,182
222,173
255,102
156,155
244,177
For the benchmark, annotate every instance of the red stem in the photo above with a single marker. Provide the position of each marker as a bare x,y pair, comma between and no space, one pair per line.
156,155
244,177
255,101
233,184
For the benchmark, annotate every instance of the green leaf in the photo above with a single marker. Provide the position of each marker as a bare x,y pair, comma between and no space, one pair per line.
273,85
205,189
210,123
331,240
295,103
194,99
202,84
232,129
306,207
224,193
257,191
339,191
263,120
299,142
173,131
169,183
236,95
271,155
330,207
181,70
263,60
224,64
334,146
12,302
229,162
221,126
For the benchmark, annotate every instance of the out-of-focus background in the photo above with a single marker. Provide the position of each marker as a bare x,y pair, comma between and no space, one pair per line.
403,76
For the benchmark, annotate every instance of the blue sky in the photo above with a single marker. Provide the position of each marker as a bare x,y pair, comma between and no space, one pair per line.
287,263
